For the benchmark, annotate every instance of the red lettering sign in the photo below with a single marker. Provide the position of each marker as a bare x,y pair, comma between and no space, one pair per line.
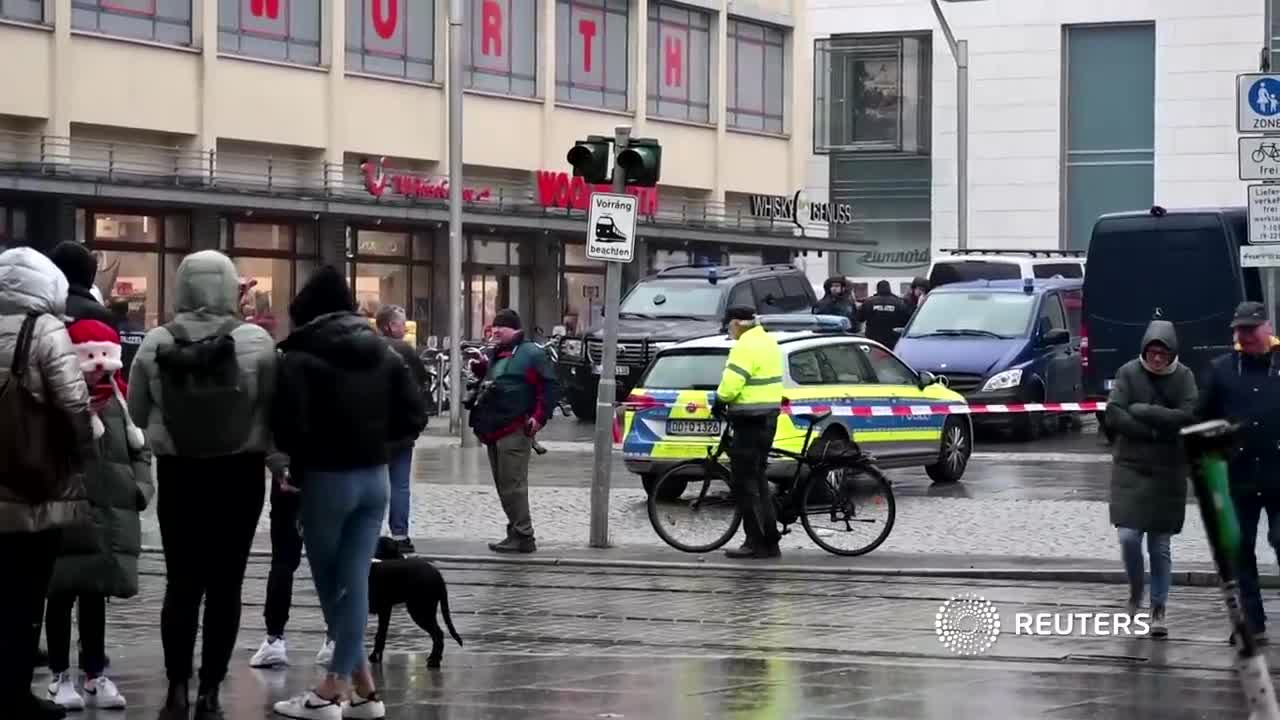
491,28
377,181
675,62
587,29
385,26
559,189
270,7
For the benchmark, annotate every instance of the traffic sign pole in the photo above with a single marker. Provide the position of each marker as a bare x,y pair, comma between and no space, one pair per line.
607,392
1258,121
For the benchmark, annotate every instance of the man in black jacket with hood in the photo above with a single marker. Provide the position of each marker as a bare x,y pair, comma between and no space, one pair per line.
81,268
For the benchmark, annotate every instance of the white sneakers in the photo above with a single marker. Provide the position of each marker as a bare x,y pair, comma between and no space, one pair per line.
325,656
99,692
274,652
310,706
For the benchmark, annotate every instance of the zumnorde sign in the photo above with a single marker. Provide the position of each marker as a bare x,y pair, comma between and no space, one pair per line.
800,210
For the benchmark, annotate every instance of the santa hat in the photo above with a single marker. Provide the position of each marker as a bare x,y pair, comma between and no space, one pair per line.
98,347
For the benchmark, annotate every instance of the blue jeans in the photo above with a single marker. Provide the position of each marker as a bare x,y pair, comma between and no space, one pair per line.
1249,509
1161,563
342,514
400,468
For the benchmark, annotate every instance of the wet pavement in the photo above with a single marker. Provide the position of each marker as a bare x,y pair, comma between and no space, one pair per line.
579,643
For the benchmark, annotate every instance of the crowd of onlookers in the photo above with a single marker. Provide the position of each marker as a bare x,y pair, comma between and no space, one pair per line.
209,405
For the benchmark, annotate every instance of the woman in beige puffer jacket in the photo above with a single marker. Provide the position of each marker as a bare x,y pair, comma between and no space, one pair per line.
31,283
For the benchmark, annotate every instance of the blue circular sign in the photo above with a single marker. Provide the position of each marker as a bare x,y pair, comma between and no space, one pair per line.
1264,97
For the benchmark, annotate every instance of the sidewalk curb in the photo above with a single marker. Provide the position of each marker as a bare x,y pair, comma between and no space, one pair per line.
1192,578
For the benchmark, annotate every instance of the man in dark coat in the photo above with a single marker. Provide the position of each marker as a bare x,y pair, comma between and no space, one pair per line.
836,300
883,312
1153,398
81,268
1244,387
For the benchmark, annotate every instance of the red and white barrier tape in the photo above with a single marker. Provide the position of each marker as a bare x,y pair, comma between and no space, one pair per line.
903,410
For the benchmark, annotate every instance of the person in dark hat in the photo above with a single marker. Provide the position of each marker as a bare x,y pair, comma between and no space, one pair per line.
511,403
1243,386
750,396
836,299
81,268
883,312
915,296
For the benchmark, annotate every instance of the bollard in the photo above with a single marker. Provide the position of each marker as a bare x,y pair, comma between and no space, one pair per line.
1207,445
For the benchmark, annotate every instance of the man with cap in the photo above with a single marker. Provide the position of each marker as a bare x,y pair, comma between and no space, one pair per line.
881,313
512,402
750,395
1244,387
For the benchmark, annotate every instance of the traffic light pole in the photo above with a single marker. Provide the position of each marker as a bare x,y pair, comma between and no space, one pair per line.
607,393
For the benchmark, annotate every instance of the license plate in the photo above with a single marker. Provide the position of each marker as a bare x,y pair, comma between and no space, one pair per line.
693,427
618,370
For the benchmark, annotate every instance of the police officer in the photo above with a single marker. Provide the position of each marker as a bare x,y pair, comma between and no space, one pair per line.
750,394
883,312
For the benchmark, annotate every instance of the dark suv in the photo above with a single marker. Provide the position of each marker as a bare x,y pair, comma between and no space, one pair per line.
676,304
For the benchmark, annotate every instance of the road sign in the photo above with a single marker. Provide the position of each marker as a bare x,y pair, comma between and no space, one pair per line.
1258,103
1259,256
611,227
1264,214
1259,158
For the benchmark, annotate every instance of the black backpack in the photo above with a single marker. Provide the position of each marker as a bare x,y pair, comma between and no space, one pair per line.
207,408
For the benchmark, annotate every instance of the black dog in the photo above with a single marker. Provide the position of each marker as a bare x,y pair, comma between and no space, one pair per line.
414,582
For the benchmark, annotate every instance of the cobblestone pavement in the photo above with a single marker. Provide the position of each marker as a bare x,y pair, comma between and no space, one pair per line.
576,643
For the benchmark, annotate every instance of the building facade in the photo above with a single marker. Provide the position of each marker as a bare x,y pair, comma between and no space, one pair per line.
291,133
1075,109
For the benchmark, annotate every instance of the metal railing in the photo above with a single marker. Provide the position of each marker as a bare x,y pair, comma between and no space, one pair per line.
182,167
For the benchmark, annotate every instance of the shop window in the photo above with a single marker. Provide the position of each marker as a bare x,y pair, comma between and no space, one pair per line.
287,30
378,284
13,227
757,70
164,21
502,47
275,259
266,301
592,50
679,61
25,10
872,93
489,292
420,301
485,251
575,255
138,258
396,38
377,242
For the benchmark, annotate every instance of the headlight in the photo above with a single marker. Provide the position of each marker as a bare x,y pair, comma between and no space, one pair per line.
571,348
1004,380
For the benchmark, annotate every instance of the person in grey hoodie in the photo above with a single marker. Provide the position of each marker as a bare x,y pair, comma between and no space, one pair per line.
209,503
1153,398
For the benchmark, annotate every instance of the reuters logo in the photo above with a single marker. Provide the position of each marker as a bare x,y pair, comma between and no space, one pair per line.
967,624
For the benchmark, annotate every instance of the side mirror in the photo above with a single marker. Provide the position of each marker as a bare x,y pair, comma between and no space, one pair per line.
927,378
1057,336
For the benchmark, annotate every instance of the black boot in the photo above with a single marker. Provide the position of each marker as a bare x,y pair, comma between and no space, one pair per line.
177,704
207,705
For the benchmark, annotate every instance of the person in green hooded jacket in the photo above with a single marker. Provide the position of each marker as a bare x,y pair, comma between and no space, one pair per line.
98,559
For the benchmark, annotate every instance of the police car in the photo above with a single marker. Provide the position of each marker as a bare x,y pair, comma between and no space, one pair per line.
667,417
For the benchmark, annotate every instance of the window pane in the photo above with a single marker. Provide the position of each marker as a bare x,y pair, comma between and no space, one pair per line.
376,242
583,298
502,46
756,82
167,21
379,284
488,252
888,369
28,10
679,66
420,304
263,236
127,228
805,367
267,303
845,363
305,237
592,70
422,246
392,37
134,278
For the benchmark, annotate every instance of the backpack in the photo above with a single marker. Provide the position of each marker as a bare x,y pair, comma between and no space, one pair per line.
207,408
36,447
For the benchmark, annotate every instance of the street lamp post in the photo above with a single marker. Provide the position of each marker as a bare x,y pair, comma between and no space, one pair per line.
960,51
456,426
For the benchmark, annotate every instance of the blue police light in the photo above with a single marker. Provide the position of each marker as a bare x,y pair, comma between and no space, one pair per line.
799,323
713,275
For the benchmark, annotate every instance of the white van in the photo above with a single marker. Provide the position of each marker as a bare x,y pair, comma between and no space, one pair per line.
965,265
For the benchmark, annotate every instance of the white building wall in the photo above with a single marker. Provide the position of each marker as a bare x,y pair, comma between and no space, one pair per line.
1015,108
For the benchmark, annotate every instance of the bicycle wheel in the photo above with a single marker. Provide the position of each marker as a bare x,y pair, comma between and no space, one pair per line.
849,511
700,514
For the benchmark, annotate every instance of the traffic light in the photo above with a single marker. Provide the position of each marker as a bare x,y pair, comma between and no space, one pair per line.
642,162
590,159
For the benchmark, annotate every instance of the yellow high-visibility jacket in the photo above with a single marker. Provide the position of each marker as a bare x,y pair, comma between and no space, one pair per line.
752,379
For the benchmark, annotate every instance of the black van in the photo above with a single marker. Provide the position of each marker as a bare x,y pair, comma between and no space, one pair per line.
1177,265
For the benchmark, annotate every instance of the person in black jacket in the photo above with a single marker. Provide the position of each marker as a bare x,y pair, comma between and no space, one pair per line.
836,299
342,397
883,312
391,324
1244,387
81,268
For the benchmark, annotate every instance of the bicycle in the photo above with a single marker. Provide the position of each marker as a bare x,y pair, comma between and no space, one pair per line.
838,482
